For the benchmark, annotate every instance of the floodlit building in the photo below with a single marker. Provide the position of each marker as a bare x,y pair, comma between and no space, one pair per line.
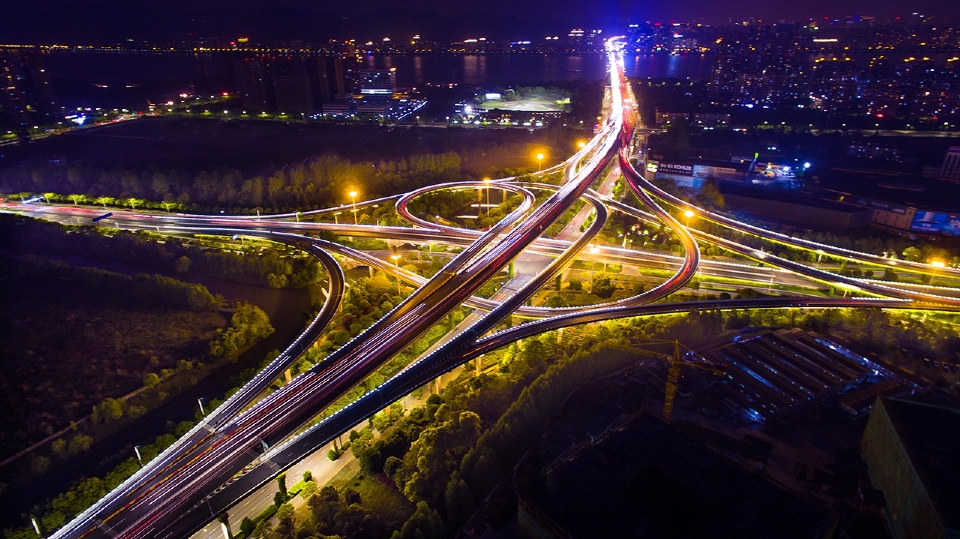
377,87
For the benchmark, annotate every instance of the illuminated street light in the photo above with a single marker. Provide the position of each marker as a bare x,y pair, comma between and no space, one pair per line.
396,262
688,214
353,198
581,144
595,250
486,181
539,161
936,264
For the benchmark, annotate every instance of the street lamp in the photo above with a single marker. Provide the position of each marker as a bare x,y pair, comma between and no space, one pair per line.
353,198
595,250
688,214
539,161
581,144
486,182
937,264
396,259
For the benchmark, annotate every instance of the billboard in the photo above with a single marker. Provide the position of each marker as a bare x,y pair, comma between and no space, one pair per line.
881,205
673,168
720,173
930,222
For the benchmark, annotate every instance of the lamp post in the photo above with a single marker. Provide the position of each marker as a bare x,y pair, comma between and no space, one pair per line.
688,214
486,182
396,262
595,250
336,221
539,161
937,264
353,198
581,144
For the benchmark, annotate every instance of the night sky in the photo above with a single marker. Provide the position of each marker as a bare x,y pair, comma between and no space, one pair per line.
104,20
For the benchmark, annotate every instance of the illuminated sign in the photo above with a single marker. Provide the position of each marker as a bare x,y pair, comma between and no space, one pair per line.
651,167
929,222
881,205
673,168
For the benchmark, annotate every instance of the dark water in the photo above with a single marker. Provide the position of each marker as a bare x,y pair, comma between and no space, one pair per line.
86,78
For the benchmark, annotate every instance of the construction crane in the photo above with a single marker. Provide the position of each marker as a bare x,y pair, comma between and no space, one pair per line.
673,373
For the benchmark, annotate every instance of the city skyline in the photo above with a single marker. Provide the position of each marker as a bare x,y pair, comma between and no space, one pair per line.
96,21
497,235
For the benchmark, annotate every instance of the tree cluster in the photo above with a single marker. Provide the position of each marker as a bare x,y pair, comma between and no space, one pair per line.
156,290
317,182
276,267
248,325
86,492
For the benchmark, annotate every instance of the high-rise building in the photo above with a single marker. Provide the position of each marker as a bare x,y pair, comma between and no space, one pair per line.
292,93
377,87
26,95
378,82
251,75
327,78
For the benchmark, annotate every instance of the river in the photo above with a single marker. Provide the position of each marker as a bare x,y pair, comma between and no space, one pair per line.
127,79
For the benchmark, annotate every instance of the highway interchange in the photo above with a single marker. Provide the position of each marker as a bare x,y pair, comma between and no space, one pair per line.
246,442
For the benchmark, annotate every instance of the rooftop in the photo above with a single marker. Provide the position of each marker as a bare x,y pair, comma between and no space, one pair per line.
931,435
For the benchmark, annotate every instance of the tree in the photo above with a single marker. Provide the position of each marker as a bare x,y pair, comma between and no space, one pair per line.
183,264
325,505
602,286
912,254
557,301
309,490
457,500
263,530
108,410
425,523
286,525
80,442
575,284
59,447
151,380
246,527
282,484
